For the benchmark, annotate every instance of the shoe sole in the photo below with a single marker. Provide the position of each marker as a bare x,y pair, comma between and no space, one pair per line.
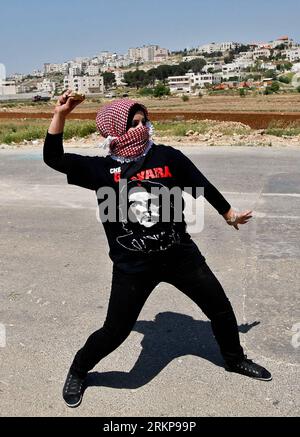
74,405
264,379
249,376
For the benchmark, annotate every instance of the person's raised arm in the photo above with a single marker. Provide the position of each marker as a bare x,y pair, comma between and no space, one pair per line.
53,152
80,170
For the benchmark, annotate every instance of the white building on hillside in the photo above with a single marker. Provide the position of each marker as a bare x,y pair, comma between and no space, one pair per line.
296,68
46,86
7,87
215,66
119,75
37,73
151,53
84,84
244,63
161,55
179,84
186,83
2,72
231,70
209,48
56,68
285,40
245,55
267,66
218,47
92,70
261,53
292,55
203,79
226,46
75,69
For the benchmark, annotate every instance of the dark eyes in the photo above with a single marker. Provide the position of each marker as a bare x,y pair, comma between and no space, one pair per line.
135,123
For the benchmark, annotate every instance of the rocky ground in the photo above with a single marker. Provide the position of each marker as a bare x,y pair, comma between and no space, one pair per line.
219,134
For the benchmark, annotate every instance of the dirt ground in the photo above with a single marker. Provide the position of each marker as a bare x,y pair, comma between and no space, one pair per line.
257,112
260,103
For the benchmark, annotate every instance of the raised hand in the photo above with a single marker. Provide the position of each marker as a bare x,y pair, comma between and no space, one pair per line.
66,103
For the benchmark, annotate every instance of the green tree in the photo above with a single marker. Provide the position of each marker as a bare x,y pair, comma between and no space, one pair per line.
151,76
242,48
185,98
287,65
280,47
275,87
229,58
234,79
242,92
161,90
267,91
109,79
270,74
298,89
137,78
164,71
285,79
196,65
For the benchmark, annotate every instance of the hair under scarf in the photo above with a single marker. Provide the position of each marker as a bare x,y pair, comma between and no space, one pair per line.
112,123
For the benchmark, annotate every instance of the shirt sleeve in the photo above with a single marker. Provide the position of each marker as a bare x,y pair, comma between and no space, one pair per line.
81,170
190,176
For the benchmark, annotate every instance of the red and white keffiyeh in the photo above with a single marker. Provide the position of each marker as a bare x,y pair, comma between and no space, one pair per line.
111,122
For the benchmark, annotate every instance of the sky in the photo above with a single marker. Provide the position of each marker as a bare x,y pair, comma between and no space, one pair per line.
33,31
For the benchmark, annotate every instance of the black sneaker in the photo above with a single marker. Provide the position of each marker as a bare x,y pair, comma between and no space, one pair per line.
73,390
249,368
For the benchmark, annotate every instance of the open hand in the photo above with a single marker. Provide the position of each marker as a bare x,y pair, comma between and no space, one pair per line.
235,218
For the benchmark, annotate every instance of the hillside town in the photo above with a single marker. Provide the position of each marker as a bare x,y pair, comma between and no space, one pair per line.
216,66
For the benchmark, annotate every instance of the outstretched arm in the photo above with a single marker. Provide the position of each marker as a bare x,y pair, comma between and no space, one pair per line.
190,176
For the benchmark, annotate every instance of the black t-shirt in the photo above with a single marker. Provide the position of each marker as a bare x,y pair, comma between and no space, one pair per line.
138,237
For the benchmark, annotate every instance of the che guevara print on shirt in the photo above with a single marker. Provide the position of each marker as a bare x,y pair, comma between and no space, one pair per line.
146,228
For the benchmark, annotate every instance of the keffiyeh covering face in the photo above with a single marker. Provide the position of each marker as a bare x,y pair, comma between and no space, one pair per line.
111,121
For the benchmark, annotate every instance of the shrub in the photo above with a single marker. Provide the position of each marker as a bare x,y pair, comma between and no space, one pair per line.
144,92
161,90
285,79
185,98
280,128
275,87
19,131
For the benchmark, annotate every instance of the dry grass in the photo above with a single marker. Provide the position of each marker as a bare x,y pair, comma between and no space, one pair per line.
20,130
259,103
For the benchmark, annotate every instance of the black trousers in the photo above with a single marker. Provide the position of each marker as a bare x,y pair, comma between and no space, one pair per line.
129,293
